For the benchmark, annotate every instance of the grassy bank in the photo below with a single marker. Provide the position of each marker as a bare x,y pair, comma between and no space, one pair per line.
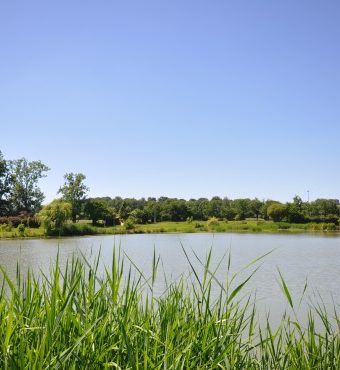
232,226
84,228
74,320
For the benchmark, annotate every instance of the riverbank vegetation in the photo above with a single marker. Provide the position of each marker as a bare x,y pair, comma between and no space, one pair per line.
22,213
76,318
212,225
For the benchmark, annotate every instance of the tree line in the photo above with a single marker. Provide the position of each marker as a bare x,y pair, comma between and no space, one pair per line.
149,210
21,196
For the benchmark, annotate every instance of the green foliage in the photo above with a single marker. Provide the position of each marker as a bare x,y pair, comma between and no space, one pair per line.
190,219
295,213
144,211
256,207
129,224
27,220
25,195
72,319
212,223
283,225
174,210
277,212
5,185
96,210
21,229
78,229
324,207
138,216
74,192
54,216
242,208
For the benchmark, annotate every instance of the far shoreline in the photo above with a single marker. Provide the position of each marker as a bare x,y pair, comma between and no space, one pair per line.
240,227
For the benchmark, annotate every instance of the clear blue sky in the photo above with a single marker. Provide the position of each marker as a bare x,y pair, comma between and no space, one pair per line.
175,98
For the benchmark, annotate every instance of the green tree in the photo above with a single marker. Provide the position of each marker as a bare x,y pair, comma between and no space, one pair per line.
298,203
74,191
173,209
54,216
277,212
215,207
265,206
295,211
152,210
242,208
5,185
25,195
139,216
96,210
198,209
324,207
256,207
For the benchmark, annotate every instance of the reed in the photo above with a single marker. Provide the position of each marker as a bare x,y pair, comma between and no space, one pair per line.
76,318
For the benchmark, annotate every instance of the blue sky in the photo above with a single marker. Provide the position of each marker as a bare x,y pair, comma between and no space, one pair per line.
175,98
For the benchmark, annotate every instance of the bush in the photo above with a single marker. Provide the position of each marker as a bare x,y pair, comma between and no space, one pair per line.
277,212
212,222
21,229
77,229
6,227
15,221
129,225
326,219
328,227
32,222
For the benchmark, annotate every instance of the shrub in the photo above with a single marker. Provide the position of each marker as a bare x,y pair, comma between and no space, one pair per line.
129,225
212,222
21,229
77,229
277,212
326,219
72,229
328,226
15,221
32,221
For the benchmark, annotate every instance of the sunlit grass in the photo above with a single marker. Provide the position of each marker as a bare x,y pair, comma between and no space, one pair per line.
77,319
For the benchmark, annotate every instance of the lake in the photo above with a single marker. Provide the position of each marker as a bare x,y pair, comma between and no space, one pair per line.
298,257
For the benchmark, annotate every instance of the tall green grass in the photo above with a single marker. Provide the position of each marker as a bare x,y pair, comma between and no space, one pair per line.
77,319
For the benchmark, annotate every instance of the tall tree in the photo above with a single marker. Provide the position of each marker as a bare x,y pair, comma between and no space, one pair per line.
255,207
25,194
74,191
5,185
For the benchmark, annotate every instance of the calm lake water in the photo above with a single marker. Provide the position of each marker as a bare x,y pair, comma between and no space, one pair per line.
299,257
